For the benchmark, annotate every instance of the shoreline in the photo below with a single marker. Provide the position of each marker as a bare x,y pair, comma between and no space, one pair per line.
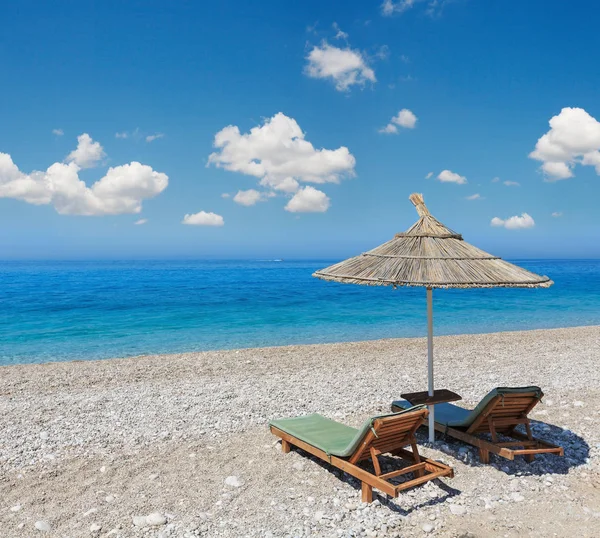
97,443
285,346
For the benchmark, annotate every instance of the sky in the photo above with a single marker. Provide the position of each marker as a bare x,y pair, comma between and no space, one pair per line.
296,129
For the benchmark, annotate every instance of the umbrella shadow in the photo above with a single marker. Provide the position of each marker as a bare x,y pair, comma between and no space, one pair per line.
576,451
385,500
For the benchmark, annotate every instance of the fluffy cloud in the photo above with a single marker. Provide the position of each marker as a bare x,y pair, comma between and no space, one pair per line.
248,198
58,132
429,175
346,67
446,176
278,154
405,118
120,191
87,154
308,200
203,219
474,197
573,138
514,223
140,222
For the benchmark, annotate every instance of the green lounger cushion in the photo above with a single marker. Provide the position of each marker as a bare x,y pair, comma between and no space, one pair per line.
330,436
458,417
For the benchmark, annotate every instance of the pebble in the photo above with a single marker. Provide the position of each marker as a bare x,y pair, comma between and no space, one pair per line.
94,527
458,510
234,482
43,526
44,436
15,508
155,519
517,497
427,528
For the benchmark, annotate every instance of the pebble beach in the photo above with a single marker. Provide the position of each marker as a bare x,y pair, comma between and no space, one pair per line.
178,445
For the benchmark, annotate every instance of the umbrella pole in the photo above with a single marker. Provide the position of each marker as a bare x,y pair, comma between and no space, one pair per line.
430,361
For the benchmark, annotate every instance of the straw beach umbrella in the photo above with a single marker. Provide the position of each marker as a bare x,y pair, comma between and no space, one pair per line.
430,255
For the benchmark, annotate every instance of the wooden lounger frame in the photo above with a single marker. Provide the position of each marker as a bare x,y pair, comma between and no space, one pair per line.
501,416
387,436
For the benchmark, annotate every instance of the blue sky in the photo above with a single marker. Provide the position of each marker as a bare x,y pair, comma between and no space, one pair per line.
317,81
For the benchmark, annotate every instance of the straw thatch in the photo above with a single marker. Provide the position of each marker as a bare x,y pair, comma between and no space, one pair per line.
431,255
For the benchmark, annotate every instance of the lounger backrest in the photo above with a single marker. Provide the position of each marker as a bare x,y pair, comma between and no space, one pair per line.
505,409
390,432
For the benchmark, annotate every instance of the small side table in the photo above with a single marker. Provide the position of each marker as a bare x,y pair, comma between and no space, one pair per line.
439,396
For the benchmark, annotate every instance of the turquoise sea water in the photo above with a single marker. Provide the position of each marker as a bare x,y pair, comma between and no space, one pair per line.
93,310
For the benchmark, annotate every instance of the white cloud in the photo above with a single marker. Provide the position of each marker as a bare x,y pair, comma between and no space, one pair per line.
88,153
120,191
278,154
573,138
429,175
514,223
495,180
405,118
153,137
339,34
203,219
511,183
474,197
58,132
557,214
388,129
248,198
446,176
390,7
346,67
124,134
140,222
225,195
308,200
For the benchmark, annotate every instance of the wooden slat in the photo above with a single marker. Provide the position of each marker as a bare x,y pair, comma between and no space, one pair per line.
404,470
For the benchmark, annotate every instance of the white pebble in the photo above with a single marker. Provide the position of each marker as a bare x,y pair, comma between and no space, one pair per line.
43,526
458,510
427,528
156,519
234,482
15,508
94,527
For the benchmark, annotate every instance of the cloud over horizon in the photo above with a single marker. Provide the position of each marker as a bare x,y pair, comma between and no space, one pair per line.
203,218
120,191
446,176
279,156
514,223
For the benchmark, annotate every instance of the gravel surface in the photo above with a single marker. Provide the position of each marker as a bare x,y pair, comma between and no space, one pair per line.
178,445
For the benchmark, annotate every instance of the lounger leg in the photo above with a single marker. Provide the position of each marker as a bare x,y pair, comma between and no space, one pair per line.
529,457
367,493
285,446
484,455
416,457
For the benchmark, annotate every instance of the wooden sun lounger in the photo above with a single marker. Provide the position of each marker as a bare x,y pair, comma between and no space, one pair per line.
346,448
498,413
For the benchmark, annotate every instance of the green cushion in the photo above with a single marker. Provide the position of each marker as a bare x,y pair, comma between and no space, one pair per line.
330,436
458,417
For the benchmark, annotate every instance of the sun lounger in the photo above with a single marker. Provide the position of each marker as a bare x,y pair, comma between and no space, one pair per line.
345,447
498,414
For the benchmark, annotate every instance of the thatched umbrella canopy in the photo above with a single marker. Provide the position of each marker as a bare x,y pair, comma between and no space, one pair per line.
430,255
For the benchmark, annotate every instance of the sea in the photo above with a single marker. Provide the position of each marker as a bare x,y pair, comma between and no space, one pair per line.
88,310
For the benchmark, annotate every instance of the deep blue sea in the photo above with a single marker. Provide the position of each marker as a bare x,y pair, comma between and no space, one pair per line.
53,311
